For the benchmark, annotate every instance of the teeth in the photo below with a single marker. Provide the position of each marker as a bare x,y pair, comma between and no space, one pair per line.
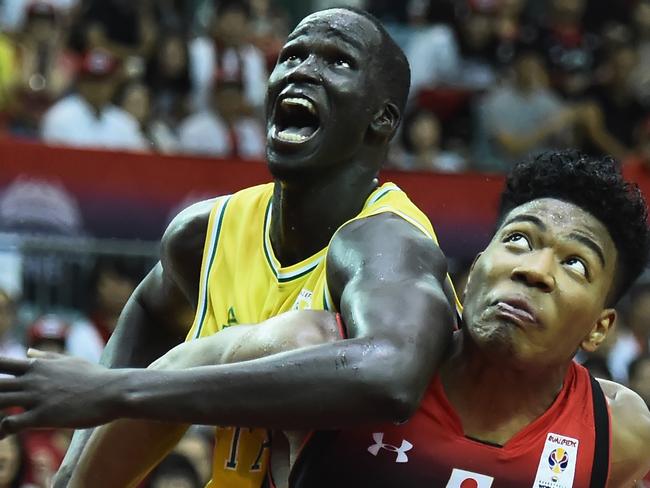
303,102
285,135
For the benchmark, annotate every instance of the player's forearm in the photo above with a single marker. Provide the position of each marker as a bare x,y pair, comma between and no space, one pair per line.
122,453
328,386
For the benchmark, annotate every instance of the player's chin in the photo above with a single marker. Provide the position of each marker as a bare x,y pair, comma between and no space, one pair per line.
287,161
494,335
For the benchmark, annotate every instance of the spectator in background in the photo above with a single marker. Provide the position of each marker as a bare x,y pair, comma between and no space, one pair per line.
48,333
226,130
228,54
641,75
175,471
124,27
615,102
476,66
638,162
134,97
9,346
14,12
12,463
46,68
112,283
9,73
633,340
421,138
523,116
168,78
432,50
270,28
45,448
87,118
565,42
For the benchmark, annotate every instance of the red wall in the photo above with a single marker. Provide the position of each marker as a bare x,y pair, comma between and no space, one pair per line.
128,195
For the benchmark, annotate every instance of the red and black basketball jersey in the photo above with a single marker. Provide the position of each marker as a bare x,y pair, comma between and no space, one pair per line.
567,447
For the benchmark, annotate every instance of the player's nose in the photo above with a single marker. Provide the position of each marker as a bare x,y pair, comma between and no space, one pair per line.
537,269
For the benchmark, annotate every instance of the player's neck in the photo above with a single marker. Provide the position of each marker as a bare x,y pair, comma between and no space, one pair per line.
307,213
508,398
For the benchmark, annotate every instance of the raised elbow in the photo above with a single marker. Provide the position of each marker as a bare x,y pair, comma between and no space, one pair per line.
397,389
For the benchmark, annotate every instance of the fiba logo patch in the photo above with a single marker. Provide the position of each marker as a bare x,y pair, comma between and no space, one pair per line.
558,460
557,464
467,479
401,451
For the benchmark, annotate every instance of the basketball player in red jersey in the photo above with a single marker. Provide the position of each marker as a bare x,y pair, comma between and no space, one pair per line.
509,408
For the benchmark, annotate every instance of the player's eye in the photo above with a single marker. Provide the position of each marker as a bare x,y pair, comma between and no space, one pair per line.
343,63
518,240
578,265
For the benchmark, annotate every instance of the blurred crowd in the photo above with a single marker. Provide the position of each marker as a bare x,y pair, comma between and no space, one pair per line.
31,459
493,80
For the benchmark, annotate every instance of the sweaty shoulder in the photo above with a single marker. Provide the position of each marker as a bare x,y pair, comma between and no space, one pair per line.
385,245
630,434
182,244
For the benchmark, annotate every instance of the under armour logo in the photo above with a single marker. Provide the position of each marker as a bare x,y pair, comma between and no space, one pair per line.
401,450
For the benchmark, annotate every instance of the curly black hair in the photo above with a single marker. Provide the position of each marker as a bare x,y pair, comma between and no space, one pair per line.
597,186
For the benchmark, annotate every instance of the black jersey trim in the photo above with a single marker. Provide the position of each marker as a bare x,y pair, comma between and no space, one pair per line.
600,467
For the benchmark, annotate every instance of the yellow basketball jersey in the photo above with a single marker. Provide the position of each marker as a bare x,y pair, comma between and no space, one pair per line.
242,282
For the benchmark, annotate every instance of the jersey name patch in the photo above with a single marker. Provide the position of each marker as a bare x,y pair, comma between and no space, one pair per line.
466,479
557,464
303,302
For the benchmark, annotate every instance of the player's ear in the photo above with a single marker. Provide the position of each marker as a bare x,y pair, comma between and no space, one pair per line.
600,330
385,121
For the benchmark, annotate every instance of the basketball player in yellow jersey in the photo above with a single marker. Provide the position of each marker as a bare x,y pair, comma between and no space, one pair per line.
334,102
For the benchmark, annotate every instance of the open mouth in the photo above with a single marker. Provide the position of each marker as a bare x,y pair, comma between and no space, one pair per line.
296,120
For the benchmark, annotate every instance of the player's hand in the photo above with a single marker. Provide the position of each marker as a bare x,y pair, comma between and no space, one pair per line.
54,391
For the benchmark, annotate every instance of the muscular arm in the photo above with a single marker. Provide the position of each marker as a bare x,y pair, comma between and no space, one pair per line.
386,277
142,444
158,314
630,435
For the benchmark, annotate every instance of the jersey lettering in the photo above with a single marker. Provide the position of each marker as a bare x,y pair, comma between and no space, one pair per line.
257,464
231,463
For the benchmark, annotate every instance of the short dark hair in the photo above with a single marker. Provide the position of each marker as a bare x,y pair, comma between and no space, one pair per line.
635,365
391,61
597,186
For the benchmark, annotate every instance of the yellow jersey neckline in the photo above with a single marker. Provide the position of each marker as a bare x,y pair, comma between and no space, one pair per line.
295,271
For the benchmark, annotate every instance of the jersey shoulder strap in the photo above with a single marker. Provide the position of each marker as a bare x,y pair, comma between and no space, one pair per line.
600,467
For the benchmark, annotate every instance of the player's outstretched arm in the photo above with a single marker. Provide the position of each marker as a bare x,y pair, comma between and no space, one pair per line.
390,280
157,315
142,444
630,435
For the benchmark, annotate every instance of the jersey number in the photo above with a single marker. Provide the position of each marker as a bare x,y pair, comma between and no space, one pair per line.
233,458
